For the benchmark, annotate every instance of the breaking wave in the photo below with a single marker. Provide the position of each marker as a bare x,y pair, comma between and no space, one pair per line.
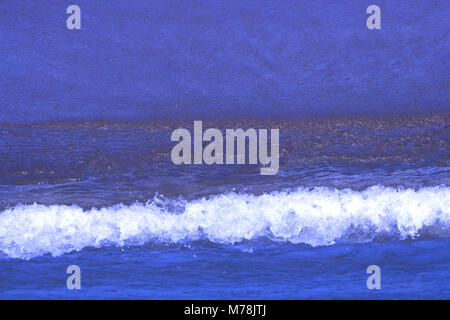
317,217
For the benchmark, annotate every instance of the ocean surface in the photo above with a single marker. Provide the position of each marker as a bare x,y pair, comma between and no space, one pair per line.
105,196
86,176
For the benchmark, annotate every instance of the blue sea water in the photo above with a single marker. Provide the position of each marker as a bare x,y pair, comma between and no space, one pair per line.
85,171
106,197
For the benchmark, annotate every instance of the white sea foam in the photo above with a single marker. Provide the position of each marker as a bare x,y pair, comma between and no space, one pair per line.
316,217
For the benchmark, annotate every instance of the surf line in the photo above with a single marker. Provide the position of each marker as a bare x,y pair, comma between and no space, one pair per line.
213,152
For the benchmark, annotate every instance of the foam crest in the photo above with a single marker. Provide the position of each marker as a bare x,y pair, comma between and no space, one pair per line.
319,216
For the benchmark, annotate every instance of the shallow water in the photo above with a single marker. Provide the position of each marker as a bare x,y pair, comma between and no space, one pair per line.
106,197
409,270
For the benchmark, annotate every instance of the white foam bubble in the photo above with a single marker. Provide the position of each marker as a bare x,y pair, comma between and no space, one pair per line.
316,217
